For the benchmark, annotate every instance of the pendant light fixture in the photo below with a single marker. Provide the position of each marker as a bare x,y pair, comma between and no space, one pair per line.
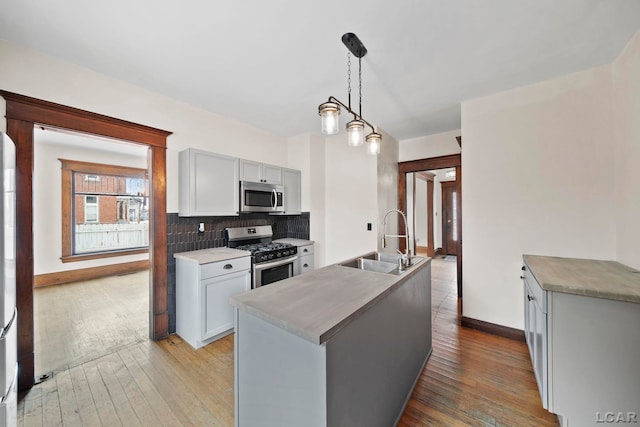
330,110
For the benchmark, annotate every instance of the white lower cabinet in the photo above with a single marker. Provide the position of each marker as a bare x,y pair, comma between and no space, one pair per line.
306,258
535,318
584,349
203,312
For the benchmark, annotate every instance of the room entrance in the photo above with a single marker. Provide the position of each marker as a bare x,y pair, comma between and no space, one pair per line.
450,218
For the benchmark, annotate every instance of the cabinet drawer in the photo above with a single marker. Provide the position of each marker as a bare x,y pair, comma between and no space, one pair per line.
305,250
213,269
538,294
306,263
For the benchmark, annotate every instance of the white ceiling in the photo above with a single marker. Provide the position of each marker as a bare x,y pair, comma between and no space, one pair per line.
270,63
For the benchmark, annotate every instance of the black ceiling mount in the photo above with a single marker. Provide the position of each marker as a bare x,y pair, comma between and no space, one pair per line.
353,43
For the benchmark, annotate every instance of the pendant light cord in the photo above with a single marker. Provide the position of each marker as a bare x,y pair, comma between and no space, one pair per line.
349,77
360,81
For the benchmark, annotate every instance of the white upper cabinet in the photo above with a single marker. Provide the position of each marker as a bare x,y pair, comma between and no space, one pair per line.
208,184
260,172
292,191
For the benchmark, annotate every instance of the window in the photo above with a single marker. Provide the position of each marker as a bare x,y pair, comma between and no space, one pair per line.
90,208
105,210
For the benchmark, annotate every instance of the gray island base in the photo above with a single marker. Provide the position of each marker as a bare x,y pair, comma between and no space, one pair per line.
335,347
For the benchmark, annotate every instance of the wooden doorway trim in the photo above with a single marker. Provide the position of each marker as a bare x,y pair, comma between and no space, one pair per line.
22,114
453,160
447,249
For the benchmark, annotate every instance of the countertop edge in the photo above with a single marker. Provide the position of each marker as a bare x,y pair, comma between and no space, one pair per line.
187,257
550,286
301,242
340,324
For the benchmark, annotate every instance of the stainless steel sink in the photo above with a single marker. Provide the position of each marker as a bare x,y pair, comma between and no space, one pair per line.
380,262
379,266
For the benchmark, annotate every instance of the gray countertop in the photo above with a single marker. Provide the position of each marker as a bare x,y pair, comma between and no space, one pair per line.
205,256
316,305
593,278
296,242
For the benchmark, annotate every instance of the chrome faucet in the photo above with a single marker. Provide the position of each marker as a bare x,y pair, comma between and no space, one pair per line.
405,261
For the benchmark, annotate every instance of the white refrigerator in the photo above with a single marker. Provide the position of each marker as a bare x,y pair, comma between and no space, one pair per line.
8,312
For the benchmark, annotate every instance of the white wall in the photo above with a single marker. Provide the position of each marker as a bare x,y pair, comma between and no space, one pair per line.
47,205
626,102
34,74
411,219
351,198
422,227
538,179
299,157
387,192
307,153
424,147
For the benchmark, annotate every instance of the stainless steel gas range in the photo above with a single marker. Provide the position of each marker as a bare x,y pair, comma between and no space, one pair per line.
270,261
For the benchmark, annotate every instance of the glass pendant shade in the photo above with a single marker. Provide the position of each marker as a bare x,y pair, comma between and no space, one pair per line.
355,133
329,117
373,143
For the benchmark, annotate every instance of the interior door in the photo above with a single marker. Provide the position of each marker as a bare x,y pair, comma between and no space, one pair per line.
450,218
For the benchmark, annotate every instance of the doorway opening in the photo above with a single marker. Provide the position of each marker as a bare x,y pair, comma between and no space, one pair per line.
23,114
438,233
432,212
91,247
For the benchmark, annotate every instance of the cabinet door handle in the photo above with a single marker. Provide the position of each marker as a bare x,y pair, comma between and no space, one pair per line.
530,298
306,265
523,268
228,266
305,250
522,277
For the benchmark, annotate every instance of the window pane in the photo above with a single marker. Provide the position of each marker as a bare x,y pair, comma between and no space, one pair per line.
111,213
454,203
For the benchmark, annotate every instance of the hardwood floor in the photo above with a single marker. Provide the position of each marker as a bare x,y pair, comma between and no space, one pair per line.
471,379
78,322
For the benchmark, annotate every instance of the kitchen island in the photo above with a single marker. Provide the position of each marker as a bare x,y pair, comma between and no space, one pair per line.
339,346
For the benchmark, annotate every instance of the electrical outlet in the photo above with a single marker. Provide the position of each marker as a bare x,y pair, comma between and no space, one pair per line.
368,226
201,227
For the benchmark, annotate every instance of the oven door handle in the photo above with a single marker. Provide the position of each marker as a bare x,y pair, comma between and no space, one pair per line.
278,263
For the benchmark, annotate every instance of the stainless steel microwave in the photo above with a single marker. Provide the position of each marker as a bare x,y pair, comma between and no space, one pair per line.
261,197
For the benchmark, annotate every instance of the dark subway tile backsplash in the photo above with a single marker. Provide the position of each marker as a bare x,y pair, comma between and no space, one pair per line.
183,236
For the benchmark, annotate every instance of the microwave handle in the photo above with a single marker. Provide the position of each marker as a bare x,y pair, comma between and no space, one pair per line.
274,199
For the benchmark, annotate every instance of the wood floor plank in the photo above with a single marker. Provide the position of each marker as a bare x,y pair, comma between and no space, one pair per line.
68,404
84,399
104,405
136,398
32,410
121,404
157,404
172,385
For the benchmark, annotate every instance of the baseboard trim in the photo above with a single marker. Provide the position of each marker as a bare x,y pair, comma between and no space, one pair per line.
493,329
69,276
